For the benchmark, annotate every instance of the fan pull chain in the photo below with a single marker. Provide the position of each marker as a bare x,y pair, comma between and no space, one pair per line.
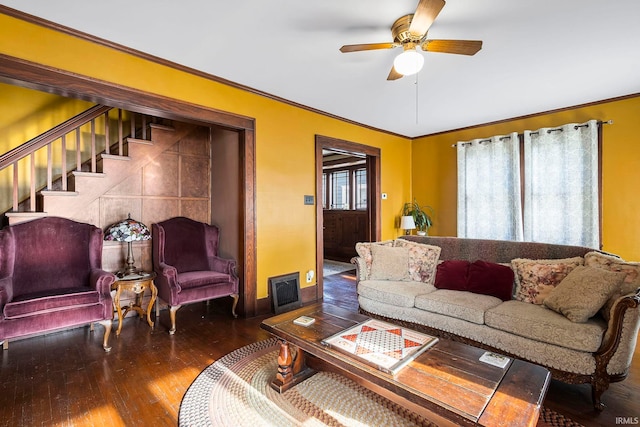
416,84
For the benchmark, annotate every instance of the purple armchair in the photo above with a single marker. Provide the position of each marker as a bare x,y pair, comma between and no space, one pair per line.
51,278
185,259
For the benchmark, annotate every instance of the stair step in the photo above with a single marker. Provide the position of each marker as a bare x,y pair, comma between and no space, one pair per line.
18,217
58,193
162,127
139,141
89,174
115,157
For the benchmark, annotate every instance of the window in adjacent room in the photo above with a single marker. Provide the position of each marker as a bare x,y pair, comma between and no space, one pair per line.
345,189
360,189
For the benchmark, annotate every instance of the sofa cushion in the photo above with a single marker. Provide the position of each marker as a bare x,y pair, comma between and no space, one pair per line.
423,260
536,278
452,274
542,324
488,278
630,284
363,249
27,305
583,292
389,263
460,304
397,293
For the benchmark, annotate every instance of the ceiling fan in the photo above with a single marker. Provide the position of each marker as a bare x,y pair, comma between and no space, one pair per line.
409,32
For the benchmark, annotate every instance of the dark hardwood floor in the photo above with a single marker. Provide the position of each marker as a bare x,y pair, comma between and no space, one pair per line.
66,378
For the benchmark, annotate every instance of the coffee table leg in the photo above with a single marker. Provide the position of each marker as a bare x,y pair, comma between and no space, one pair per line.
291,369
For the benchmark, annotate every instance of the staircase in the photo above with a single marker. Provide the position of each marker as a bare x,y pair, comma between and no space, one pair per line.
63,178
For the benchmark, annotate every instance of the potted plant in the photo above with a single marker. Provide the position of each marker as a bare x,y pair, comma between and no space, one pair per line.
421,218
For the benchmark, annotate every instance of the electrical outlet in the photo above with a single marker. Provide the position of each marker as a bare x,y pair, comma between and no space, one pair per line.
384,196
308,200
310,275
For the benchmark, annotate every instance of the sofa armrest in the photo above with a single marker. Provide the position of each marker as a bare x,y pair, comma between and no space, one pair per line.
223,265
620,337
6,291
361,268
101,281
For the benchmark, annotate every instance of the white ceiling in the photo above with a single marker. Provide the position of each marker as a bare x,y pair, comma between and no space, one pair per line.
537,55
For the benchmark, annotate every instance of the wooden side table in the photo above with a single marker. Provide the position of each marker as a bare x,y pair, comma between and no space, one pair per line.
136,283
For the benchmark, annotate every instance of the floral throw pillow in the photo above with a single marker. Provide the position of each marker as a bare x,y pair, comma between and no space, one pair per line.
423,260
363,249
535,279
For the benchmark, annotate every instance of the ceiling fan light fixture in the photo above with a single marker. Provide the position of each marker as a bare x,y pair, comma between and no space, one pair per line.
408,62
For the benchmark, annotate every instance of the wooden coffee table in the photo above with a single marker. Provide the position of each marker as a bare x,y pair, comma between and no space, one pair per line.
447,384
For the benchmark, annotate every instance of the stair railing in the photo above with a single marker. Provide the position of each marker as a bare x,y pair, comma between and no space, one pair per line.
60,132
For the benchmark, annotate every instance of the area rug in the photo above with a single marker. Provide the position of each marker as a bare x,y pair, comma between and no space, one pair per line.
334,267
234,391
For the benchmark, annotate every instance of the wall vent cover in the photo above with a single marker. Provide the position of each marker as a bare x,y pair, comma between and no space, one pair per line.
285,292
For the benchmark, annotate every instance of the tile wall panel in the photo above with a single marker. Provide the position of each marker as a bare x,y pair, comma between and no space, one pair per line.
176,183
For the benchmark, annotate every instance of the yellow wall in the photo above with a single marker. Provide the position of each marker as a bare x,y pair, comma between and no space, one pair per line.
23,119
285,138
434,169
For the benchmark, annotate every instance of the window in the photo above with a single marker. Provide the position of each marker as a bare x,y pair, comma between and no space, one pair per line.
555,170
324,191
489,188
345,189
360,189
339,190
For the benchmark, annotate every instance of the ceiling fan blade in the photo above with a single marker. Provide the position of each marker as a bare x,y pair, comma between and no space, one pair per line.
460,47
367,46
425,14
394,75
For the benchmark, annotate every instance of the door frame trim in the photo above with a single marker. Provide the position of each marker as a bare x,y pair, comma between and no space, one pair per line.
373,195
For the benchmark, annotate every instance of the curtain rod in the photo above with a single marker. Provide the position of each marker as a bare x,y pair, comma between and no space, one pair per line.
603,122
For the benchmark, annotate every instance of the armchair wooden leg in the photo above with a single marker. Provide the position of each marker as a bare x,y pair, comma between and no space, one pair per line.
107,331
5,345
172,316
235,303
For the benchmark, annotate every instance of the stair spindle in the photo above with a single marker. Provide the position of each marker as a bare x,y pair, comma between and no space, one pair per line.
107,139
32,180
144,127
78,151
120,132
63,167
15,186
93,146
49,168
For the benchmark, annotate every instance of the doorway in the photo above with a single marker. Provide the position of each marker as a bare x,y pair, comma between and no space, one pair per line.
359,156
40,77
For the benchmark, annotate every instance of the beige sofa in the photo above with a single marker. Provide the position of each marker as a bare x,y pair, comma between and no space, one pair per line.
543,319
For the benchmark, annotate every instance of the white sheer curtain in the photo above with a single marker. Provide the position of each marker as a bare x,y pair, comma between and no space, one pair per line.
489,203
561,185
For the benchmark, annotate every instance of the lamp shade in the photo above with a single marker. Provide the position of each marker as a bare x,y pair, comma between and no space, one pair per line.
128,230
407,222
408,62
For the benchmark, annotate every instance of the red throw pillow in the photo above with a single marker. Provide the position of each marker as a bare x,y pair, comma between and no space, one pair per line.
490,279
452,275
